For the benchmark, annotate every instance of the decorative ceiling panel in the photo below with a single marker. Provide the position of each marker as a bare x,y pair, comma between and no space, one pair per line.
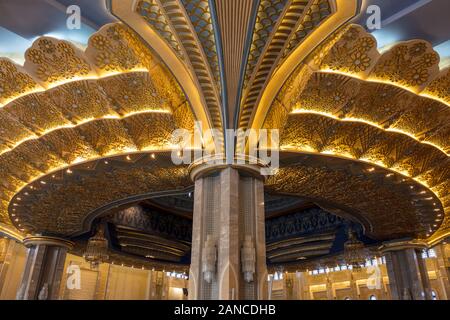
253,37
199,13
387,204
317,13
379,104
268,60
234,21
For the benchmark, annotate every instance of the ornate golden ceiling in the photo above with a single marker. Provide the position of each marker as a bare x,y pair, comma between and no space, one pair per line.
367,132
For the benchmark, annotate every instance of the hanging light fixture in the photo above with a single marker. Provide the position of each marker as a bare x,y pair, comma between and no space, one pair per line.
354,251
97,249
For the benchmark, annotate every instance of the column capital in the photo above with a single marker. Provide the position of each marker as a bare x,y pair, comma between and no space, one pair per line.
208,165
48,241
402,244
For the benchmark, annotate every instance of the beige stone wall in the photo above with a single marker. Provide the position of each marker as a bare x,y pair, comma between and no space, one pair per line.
12,263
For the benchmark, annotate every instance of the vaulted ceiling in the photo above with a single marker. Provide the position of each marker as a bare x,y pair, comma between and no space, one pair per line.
364,133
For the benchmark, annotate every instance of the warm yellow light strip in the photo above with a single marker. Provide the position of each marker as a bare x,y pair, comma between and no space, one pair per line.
84,121
368,79
373,124
53,85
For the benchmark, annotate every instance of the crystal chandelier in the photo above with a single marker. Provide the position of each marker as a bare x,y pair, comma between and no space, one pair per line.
354,251
96,249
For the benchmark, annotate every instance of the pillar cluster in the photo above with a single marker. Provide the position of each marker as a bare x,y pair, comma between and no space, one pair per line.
228,259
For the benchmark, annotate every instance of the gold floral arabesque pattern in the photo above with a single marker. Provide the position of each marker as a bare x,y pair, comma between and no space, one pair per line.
59,62
77,102
360,190
268,14
151,12
51,60
351,50
356,140
383,105
62,205
14,81
43,131
268,58
439,88
413,65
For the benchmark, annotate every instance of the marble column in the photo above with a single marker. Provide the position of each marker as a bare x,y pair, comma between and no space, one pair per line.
408,277
44,268
228,235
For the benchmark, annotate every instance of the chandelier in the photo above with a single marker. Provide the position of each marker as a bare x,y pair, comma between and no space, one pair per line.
354,252
96,249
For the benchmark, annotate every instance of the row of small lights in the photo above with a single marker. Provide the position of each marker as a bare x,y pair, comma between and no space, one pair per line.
378,261
43,182
342,267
